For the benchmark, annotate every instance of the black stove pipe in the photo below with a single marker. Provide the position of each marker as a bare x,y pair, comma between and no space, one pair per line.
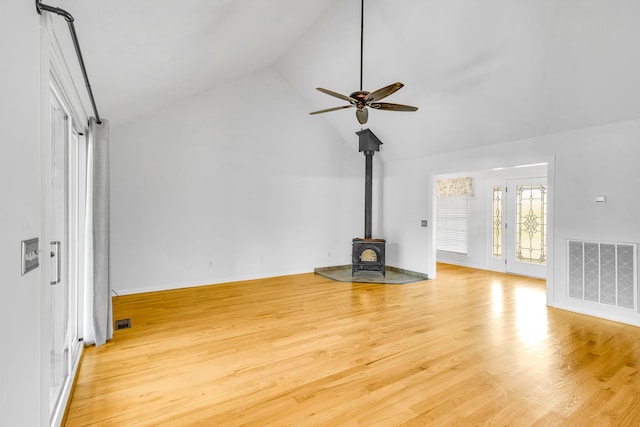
368,193
369,144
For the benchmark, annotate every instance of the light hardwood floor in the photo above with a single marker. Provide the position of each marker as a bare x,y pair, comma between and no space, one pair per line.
470,348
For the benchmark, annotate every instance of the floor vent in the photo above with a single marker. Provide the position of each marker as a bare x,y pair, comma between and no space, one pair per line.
123,324
604,273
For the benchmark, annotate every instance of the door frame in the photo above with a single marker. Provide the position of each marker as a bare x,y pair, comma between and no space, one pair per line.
54,71
497,161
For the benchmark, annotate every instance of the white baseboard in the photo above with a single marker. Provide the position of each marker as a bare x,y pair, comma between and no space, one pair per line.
204,282
614,314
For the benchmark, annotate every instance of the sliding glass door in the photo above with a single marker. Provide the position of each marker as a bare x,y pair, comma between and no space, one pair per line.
66,200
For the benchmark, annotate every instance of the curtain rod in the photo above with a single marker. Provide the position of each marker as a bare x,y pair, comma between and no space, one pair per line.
72,29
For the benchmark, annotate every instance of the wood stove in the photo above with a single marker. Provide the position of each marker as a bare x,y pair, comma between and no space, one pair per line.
368,253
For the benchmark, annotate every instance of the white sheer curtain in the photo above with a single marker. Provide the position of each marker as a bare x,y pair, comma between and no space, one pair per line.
87,324
98,319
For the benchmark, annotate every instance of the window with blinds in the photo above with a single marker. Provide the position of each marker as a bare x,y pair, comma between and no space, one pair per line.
452,223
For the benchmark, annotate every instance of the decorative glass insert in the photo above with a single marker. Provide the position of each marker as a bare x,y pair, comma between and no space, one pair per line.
497,223
531,210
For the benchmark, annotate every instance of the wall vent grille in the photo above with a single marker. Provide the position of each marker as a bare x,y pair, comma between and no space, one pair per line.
604,273
122,324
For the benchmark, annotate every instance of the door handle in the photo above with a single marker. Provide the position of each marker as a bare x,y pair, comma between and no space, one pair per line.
58,264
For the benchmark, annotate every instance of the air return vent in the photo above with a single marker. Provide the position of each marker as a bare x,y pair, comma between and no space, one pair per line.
123,324
604,273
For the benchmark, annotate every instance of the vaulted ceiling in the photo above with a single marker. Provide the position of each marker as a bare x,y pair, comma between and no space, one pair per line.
481,72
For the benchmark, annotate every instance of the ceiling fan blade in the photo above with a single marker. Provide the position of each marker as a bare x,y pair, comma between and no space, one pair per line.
362,116
392,107
331,109
383,93
337,95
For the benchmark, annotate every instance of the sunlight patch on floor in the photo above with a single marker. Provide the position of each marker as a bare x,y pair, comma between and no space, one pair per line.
531,315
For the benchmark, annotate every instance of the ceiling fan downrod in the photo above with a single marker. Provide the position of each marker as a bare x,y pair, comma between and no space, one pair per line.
361,40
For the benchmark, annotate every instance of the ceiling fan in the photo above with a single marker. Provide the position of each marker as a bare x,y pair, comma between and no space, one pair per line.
362,99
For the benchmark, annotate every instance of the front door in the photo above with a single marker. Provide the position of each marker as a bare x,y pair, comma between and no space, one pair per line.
526,227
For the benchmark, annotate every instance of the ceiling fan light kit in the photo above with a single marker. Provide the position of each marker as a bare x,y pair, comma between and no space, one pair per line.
362,99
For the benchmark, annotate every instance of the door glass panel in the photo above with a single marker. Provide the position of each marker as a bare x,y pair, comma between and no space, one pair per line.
58,298
531,207
497,223
67,206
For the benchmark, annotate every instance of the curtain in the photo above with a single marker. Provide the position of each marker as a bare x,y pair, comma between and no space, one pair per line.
98,324
454,187
87,324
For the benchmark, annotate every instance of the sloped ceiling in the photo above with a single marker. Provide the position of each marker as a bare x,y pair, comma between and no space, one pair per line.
481,72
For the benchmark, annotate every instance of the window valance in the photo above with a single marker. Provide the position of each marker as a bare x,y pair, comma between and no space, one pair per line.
454,187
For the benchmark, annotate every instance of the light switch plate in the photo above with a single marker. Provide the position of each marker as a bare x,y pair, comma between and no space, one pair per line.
30,255
424,223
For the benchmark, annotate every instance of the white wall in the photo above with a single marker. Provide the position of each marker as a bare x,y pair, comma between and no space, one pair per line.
235,183
20,214
590,161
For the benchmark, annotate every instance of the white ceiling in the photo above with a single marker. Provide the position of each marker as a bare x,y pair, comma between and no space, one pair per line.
480,71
